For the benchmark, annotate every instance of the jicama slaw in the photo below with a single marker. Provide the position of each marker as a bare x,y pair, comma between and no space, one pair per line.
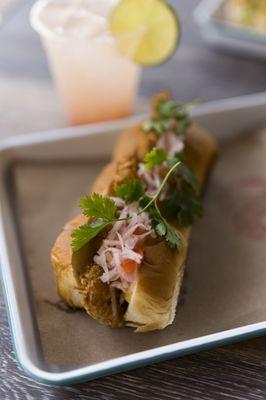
121,251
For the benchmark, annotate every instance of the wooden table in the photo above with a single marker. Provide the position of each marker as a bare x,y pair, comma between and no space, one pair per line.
27,103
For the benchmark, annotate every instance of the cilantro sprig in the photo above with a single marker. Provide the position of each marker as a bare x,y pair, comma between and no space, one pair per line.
86,233
131,190
182,206
181,203
98,206
153,124
158,156
104,210
184,171
150,204
155,157
170,115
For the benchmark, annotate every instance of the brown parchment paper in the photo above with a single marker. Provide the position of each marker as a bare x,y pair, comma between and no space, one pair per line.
225,282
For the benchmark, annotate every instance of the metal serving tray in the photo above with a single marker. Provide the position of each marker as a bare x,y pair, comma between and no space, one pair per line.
57,346
218,31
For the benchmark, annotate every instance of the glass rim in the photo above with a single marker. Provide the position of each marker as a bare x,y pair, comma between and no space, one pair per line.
35,22
45,32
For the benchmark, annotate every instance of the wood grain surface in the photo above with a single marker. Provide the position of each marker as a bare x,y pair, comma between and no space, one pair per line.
27,103
232,372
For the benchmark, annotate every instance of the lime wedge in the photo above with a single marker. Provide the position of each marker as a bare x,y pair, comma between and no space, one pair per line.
147,31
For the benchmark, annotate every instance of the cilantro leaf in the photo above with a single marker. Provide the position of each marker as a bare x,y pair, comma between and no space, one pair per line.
155,125
189,177
172,160
170,116
161,228
98,206
131,190
183,123
85,233
155,157
166,108
182,206
185,173
164,229
172,237
147,126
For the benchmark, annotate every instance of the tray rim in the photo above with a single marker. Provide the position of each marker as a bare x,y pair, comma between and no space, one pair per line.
138,359
226,34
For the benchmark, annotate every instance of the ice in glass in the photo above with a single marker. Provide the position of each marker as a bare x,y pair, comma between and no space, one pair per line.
94,81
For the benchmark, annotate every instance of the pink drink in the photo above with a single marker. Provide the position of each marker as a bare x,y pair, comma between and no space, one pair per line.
94,81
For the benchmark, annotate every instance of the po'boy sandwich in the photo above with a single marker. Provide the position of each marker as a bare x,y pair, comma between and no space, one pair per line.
122,259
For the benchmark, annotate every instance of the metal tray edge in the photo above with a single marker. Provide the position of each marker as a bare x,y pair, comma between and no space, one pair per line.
141,358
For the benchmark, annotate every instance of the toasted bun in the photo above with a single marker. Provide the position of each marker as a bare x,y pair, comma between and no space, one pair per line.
77,285
153,301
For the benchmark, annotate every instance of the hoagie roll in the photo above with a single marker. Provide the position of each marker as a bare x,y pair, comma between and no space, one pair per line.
130,272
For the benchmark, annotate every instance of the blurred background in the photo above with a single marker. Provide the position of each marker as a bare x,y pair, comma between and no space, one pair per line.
27,97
